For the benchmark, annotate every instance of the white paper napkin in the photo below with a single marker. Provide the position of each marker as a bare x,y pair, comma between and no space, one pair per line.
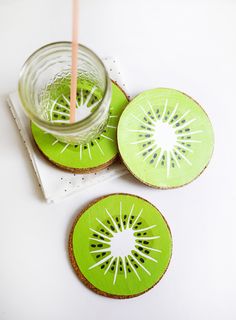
57,184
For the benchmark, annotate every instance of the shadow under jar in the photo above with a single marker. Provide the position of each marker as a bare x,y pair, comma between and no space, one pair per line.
44,90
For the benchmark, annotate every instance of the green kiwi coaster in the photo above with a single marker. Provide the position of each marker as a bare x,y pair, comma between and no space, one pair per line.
165,138
92,156
120,246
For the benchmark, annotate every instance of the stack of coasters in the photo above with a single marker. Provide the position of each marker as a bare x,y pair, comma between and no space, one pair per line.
57,184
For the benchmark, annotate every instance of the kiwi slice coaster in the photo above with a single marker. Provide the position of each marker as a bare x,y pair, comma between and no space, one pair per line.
92,156
165,138
120,246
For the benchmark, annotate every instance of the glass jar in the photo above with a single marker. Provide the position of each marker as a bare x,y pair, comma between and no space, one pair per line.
44,90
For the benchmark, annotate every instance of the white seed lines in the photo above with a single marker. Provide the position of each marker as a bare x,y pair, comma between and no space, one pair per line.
83,108
89,146
164,137
123,243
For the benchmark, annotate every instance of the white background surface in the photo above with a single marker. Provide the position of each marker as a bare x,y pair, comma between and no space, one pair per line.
188,45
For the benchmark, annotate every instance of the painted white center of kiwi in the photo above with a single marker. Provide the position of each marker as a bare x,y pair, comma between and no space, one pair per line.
165,138
122,242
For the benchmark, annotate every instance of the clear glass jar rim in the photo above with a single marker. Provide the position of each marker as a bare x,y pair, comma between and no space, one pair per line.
70,127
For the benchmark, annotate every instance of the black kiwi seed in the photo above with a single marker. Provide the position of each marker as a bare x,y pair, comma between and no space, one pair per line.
85,147
103,254
102,230
76,146
129,270
136,266
136,255
139,223
147,135
112,268
92,144
103,266
142,260
95,235
121,269
147,252
108,222
125,216
93,245
151,161
112,228
139,234
100,245
98,256
176,116
117,219
140,248
145,242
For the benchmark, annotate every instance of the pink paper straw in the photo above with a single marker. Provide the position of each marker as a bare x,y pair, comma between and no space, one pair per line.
74,62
